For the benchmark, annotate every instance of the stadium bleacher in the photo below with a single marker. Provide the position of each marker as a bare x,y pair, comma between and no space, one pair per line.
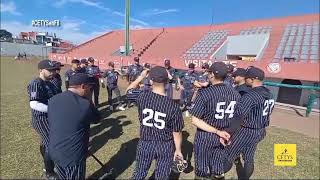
291,41
299,41
206,45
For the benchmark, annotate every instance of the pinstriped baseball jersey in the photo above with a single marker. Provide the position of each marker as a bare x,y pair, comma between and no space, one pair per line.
159,116
42,91
255,107
215,105
242,89
57,82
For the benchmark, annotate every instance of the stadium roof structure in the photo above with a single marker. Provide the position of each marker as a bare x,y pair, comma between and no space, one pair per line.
284,47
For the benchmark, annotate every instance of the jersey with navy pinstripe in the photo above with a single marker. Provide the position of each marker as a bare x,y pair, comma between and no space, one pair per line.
242,89
215,105
159,117
57,82
42,91
255,108
133,94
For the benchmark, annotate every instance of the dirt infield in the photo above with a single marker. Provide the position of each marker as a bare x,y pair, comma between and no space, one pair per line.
291,120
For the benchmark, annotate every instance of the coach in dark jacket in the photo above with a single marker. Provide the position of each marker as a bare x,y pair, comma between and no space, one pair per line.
70,114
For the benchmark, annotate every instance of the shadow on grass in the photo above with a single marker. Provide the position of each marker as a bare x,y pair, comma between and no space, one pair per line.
123,99
114,132
119,162
187,150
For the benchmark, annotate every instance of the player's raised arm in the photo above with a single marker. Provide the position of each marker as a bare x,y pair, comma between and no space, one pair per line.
140,78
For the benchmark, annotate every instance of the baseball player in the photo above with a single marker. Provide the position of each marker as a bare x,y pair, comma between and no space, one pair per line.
212,110
70,114
94,72
110,79
134,70
147,82
74,69
83,65
251,117
202,80
229,80
172,77
187,88
161,123
56,78
240,81
40,90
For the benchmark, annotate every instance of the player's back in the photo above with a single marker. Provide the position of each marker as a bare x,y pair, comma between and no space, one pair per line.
217,104
159,116
259,102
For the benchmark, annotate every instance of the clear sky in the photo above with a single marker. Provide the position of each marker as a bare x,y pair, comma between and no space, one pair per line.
84,19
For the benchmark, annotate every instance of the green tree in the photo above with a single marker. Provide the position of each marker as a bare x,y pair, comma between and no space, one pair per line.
5,35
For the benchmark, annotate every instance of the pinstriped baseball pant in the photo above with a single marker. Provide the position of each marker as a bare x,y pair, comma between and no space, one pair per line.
147,151
244,141
41,126
208,155
72,172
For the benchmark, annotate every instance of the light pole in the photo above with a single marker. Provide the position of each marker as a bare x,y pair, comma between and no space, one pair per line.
127,22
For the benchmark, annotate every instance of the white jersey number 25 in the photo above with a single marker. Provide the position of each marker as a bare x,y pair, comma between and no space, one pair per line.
155,115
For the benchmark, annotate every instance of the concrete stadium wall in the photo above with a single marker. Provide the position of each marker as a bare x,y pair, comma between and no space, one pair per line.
12,49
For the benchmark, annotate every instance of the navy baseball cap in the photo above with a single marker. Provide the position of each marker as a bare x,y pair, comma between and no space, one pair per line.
219,68
80,78
191,66
239,72
58,64
75,61
46,64
83,61
255,73
230,68
159,74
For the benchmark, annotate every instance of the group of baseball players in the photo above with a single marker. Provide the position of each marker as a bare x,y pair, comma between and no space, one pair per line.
230,108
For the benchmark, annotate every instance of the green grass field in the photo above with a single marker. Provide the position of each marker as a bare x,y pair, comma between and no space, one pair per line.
114,140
